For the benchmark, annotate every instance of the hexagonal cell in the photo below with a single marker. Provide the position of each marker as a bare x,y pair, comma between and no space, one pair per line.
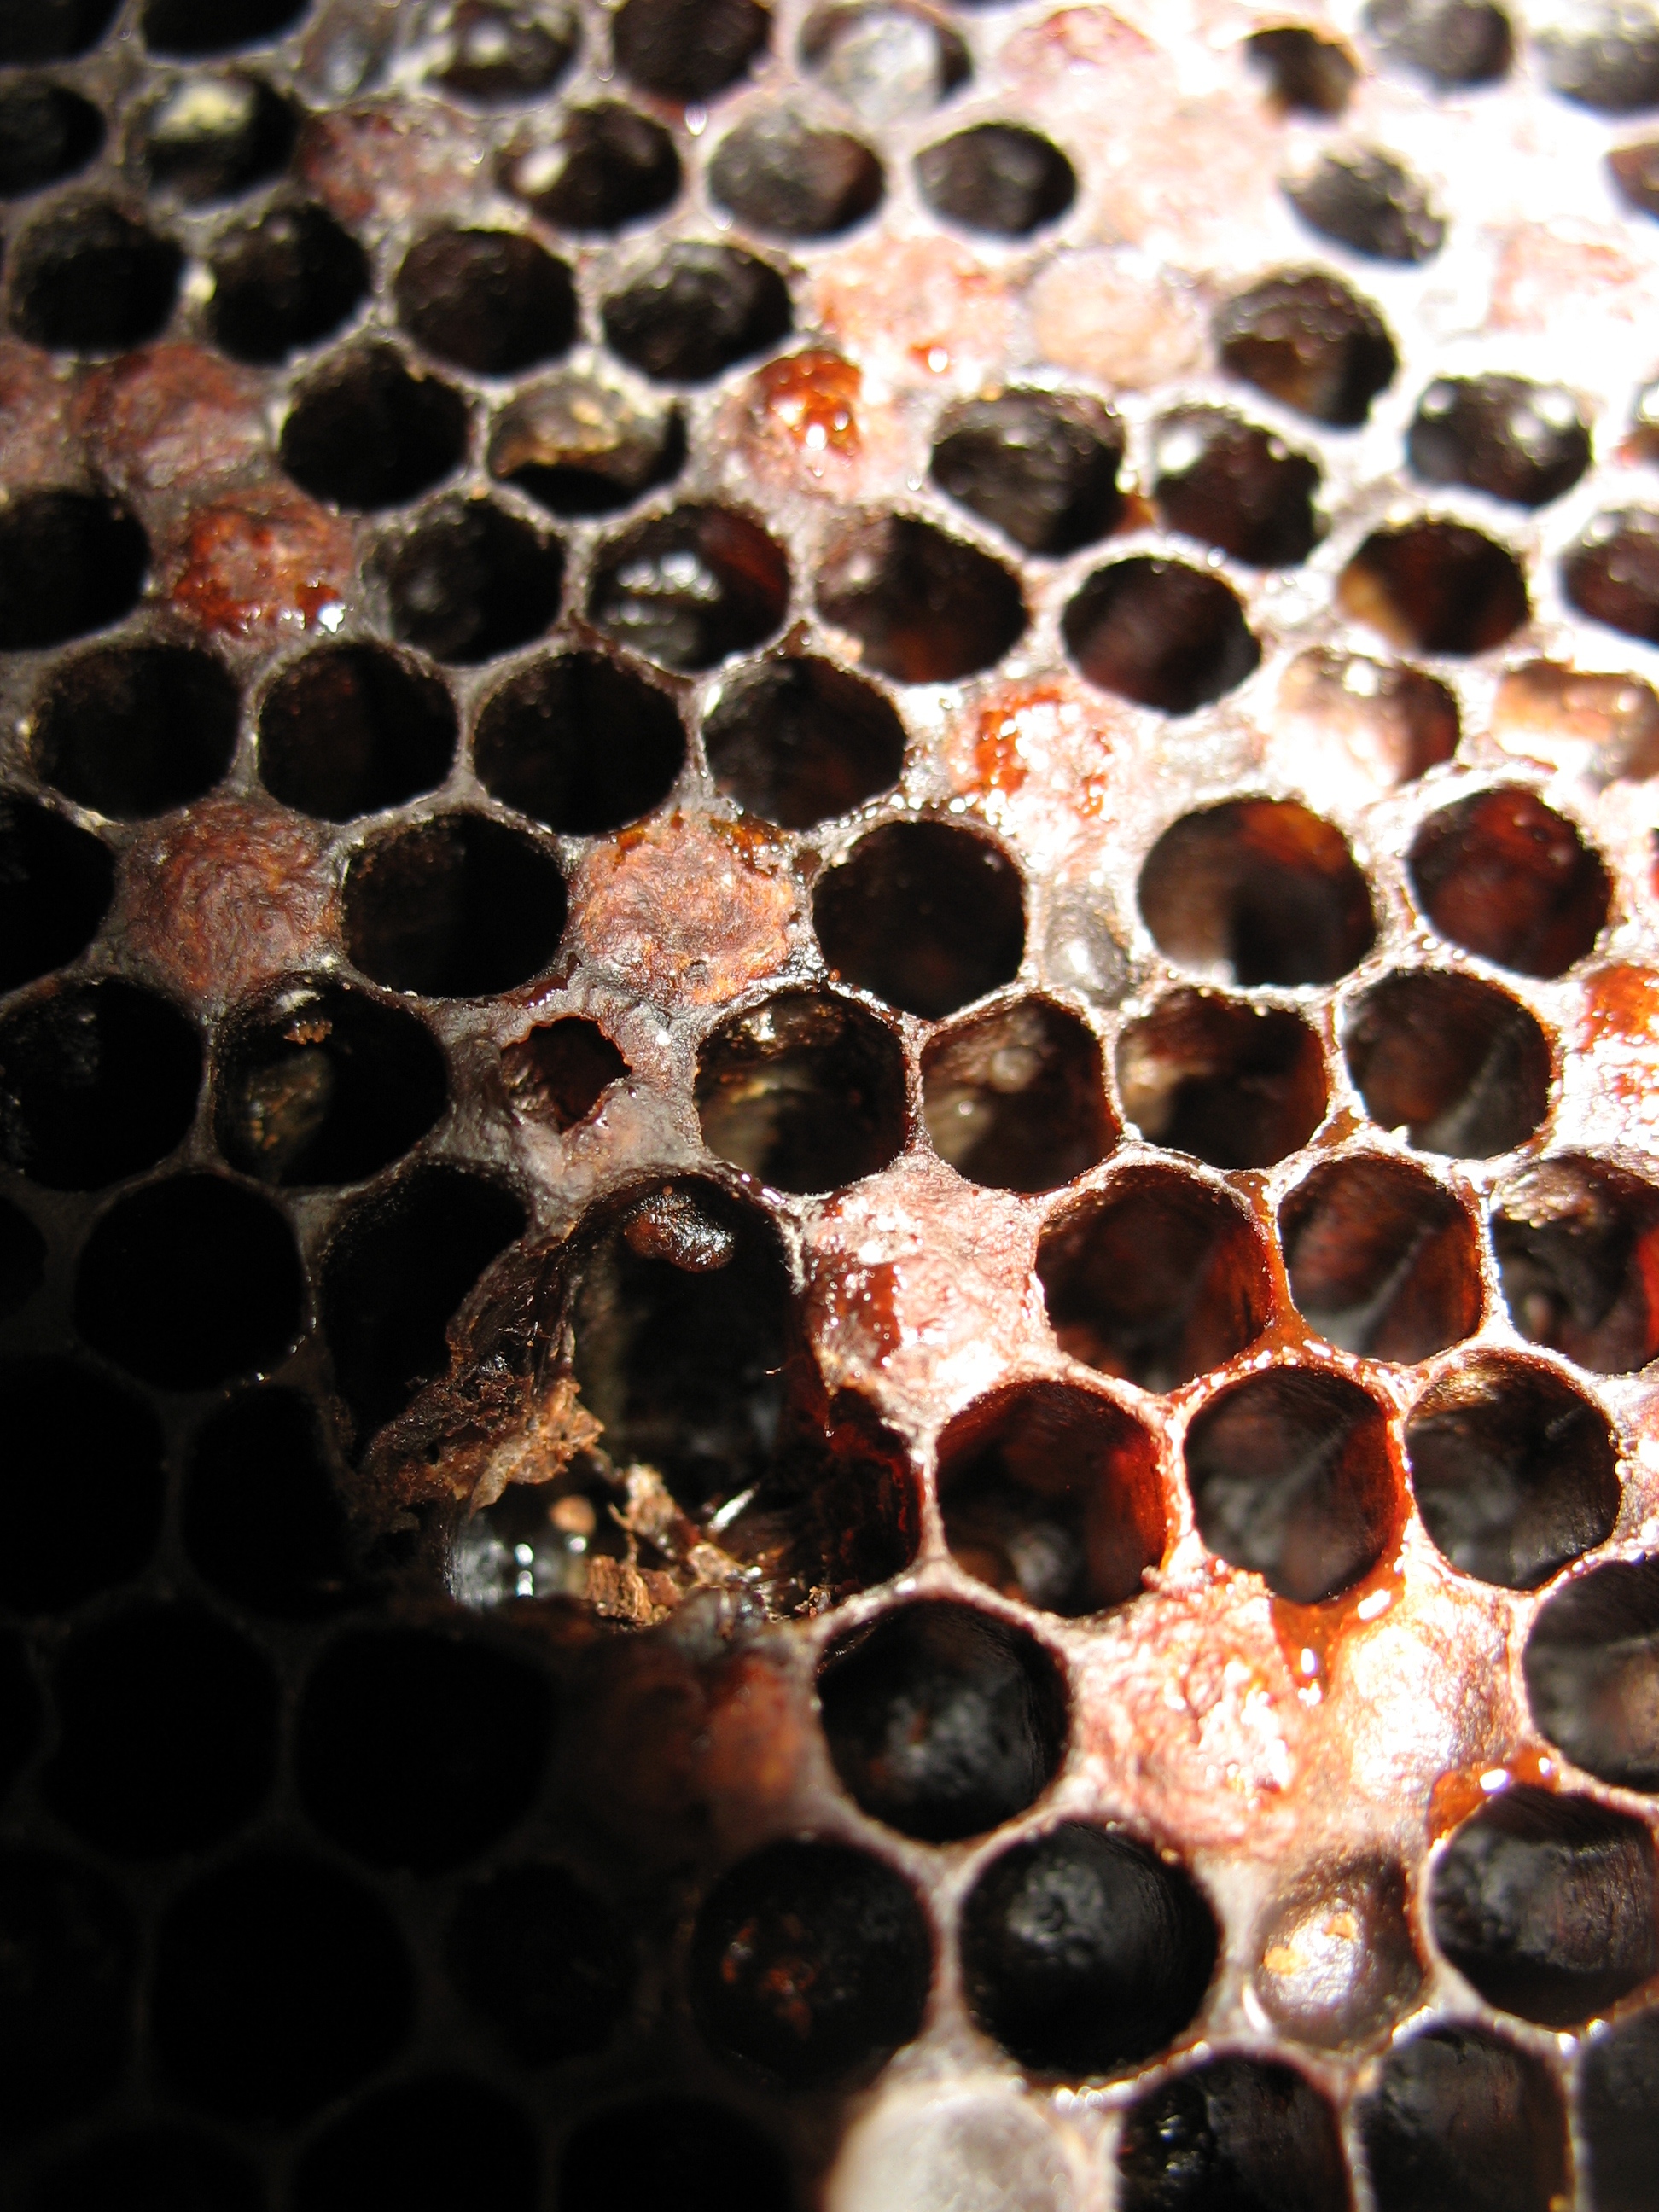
70,563
580,444
470,581
1603,54
496,57
696,312
97,1522
1578,1245
1337,1963
999,178
56,882
942,1721
811,1963
261,1519
1290,1478
185,30
800,741
1231,484
1257,890
542,1959
1236,1085
1507,878
1459,1066
1161,633
783,176
1612,574
1156,1279
349,729
97,1080
926,608
1305,338
579,743
66,2013
1369,201
1392,723
282,282
86,278
209,138
1434,587
1306,72
561,1072
1521,441
365,432
669,2138
1381,1261
1618,2113
459,906
47,133
446,2133
1084,1951
1041,465
132,730
1242,2131
1591,1665
1459,2117
1017,1098
925,915
1051,1495
688,50
806,1092
607,167
1450,42
491,300
688,588
885,61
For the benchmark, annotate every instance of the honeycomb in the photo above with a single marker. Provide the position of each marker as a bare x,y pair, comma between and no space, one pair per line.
830,921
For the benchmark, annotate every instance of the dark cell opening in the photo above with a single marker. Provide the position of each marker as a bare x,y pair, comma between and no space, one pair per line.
86,278
1231,484
83,1485
1260,889
996,177
1368,201
1234,1084
189,1281
66,1993
1306,73
1450,42
261,1519
1506,877
470,581
926,608
352,728
1156,1279
1336,1961
1612,574
806,1092
23,1260
52,30
543,1959
688,50
1602,53
696,312
214,137
132,730
579,743
1160,633
55,884
400,1267
365,433
47,134
561,1072
490,300
1051,1494
167,1731
187,28
1434,587
1618,2112
1289,1478
607,167
1577,1246
1383,1261
1237,2134
442,2144
942,1721
147,2168
690,588
70,562
694,2155
1017,1098
322,1084
811,1962
887,62
1463,2120
1592,1673
800,741
494,57
279,1983
1519,441
458,907
923,914
781,176
1634,172
96,1081
1545,1904
1042,466
1392,723
1305,339
1083,1951
578,445
1461,1066
285,282
418,1747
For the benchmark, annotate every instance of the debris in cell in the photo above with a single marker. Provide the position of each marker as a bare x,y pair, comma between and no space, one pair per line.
690,588
579,444
1606,728
561,1072
212,137
494,55
1369,200
670,1225
1042,466
608,168
887,62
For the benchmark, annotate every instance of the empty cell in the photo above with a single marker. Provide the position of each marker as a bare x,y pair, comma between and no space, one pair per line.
561,1072
1257,890
1601,54
1306,72
1307,340
1452,43
543,1959
82,1487
924,915
781,175
349,729
66,2000
88,278
688,588
55,887
491,300
811,1962
701,2155
1612,574
999,178
439,2143
942,1721
1233,485
1155,1278
1084,1951
1519,441
1290,1478
1041,465
1578,1245
1434,587
185,29
47,133
1243,2133
1460,2122
134,730
470,581
1591,1665
209,138
52,30
70,563
886,62
1458,1066
1382,1260
261,1519
1369,201
688,50
579,444
579,744
97,1081
1234,1084
1051,1495
799,741
607,167
1337,1962
1618,2113
1016,1098
496,57
806,1092
925,608
1507,878
282,282
365,432
696,312
1160,633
